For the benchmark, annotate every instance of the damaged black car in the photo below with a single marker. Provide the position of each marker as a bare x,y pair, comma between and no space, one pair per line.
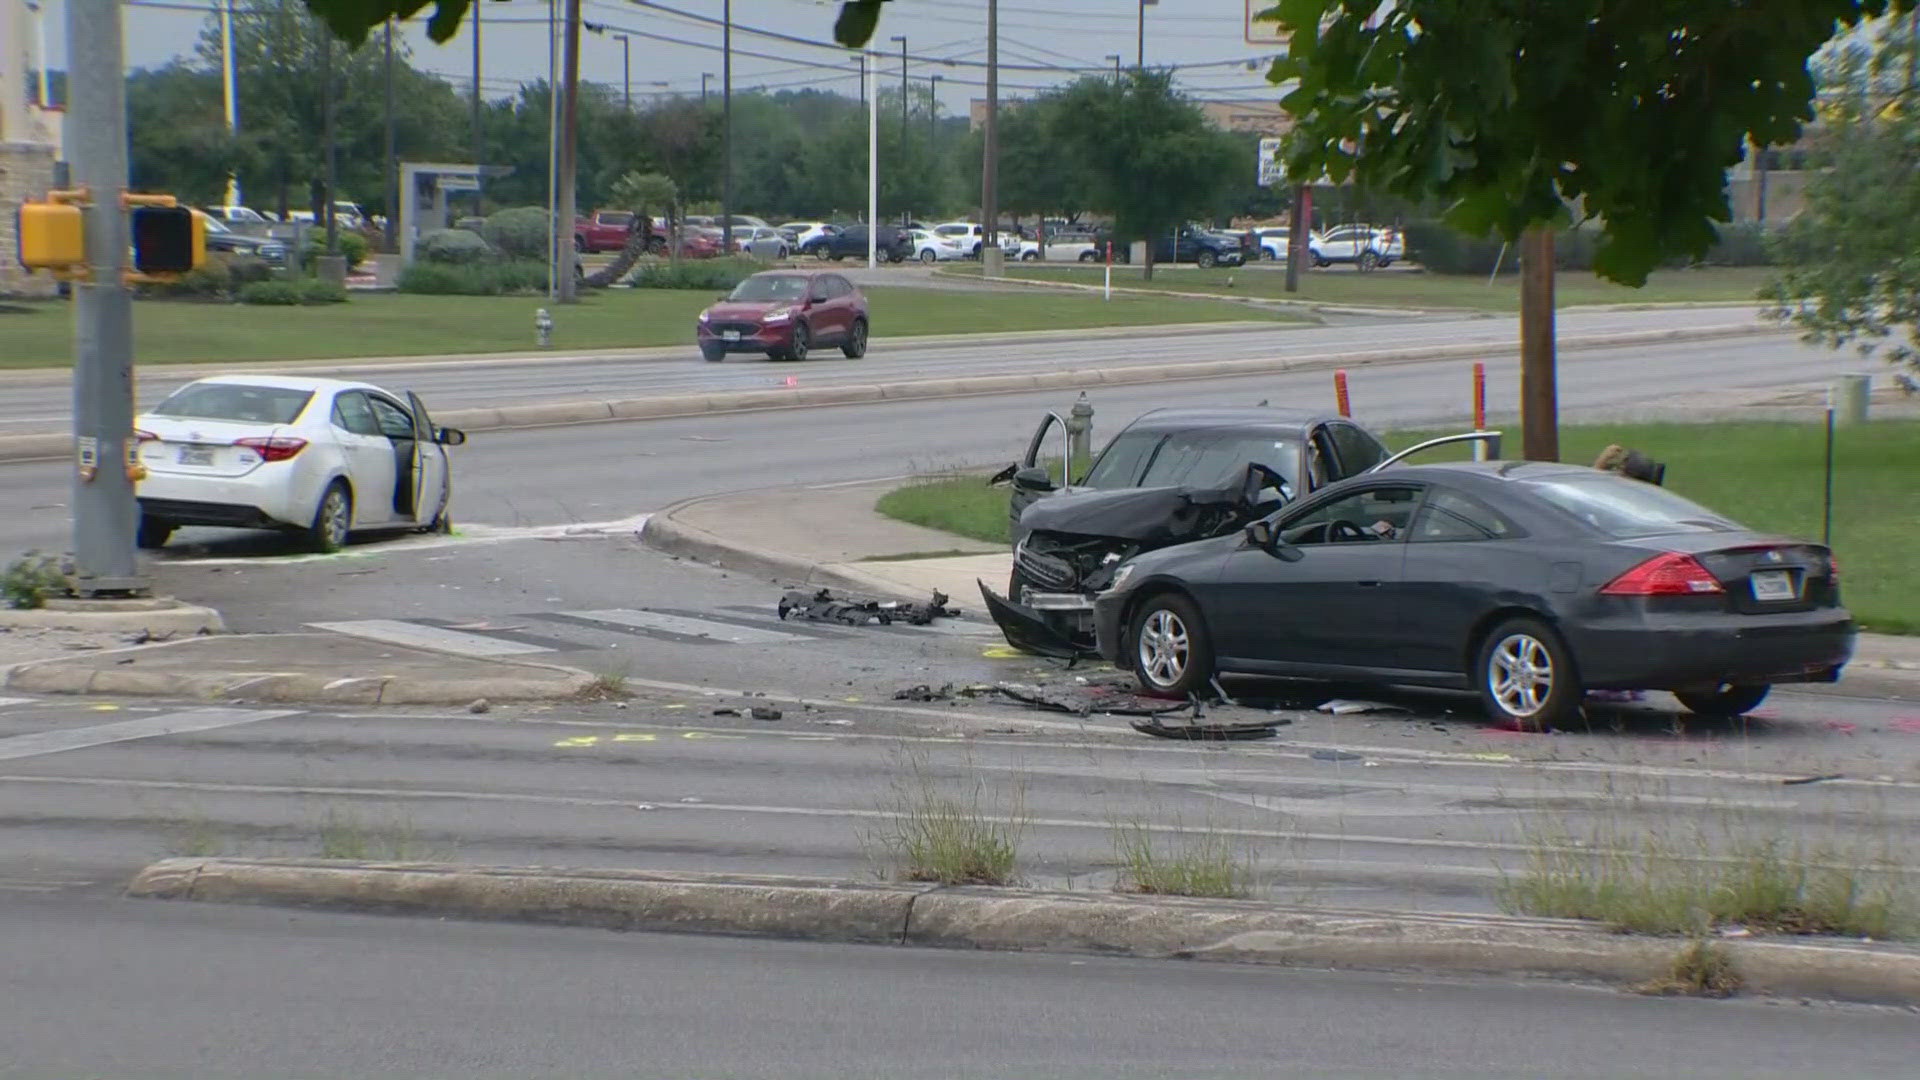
1171,477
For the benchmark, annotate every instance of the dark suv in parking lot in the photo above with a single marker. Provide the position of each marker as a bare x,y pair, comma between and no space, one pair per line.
893,244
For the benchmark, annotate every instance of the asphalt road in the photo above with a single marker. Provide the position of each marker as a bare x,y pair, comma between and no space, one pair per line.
192,992
42,401
605,472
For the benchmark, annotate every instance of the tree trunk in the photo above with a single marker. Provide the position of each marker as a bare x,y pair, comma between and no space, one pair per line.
1539,396
1146,274
639,237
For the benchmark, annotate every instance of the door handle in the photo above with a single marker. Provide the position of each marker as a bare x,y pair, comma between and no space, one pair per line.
1368,584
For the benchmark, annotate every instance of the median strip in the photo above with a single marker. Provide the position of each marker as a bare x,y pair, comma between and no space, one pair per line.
1025,920
660,407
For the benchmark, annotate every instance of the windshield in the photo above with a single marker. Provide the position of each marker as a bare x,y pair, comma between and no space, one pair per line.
214,224
778,288
1626,509
1214,459
235,401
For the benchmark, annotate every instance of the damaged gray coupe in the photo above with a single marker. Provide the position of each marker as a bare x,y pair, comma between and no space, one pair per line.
1171,477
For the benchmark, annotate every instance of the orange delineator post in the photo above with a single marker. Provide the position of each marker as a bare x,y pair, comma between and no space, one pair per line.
1479,396
1340,392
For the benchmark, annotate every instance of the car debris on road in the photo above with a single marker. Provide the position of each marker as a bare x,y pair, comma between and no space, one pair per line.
822,605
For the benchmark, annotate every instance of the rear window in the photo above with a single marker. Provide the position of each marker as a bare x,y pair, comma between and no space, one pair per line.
238,402
1626,508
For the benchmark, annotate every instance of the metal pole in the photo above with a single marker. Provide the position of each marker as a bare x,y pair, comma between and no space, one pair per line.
873,167
104,512
704,76
569,150
40,52
726,127
626,71
933,110
1297,233
554,232
1826,505
1141,34
327,138
228,93
990,264
902,39
393,176
478,158
1539,403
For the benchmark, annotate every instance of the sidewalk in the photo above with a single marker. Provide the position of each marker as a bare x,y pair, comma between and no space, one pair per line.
832,536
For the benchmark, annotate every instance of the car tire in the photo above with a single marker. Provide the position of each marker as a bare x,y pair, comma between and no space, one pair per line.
1168,646
1206,260
1385,262
1369,262
801,343
713,354
1726,701
1525,675
580,245
855,346
332,519
820,252
929,257
1029,256
153,533
1088,256
782,253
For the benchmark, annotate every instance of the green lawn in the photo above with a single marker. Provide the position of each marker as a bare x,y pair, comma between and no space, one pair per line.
375,324
1395,288
1767,475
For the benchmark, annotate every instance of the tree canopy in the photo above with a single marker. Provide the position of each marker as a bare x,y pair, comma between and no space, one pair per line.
1512,110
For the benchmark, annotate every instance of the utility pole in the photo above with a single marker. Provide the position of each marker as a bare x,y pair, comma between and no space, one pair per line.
1140,60
933,110
569,151
392,160
1539,403
873,167
626,70
726,126
704,76
105,515
228,94
554,232
1115,57
478,159
902,39
991,263
327,137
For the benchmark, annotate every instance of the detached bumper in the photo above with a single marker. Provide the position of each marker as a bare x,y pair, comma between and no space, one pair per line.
1710,650
1041,633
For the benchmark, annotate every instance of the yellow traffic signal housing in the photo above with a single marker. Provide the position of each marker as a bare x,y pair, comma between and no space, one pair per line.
51,236
168,240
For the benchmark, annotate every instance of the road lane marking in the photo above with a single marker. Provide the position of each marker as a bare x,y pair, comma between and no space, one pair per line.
147,727
6,701
436,638
684,626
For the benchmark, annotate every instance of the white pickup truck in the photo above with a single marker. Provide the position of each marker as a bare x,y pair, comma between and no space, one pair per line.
1067,247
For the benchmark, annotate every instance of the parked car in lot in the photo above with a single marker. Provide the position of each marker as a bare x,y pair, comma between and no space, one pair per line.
1170,476
317,456
784,314
1363,245
1526,583
1273,241
1067,247
929,247
605,230
1202,247
761,242
894,245
222,239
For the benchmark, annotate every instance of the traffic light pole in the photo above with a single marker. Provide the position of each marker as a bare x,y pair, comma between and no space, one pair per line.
105,515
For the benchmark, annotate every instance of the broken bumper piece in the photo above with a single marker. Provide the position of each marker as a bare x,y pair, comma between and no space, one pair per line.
823,606
1030,630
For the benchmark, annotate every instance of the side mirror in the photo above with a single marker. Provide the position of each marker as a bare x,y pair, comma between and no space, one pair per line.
447,436
1261,534
1033,478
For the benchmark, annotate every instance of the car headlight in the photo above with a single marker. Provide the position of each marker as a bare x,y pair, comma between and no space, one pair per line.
778,315
706,316
1120,577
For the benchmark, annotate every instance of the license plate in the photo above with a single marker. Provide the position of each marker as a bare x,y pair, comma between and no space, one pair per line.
1772,585
730,335
196,455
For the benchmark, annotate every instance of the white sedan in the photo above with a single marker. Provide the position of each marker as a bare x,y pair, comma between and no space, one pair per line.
931,247
316,456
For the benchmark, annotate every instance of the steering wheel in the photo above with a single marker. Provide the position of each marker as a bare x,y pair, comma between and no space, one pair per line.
1339,532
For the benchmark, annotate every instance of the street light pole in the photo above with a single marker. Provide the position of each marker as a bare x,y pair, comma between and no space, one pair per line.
327,137
476,110
990,256
569,150
873,167
933,110
626,70
105,515
228,94
726,127
1141,35
902,39
704,76
393,179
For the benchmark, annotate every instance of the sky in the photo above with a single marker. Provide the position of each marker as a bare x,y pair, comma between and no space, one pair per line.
1042,43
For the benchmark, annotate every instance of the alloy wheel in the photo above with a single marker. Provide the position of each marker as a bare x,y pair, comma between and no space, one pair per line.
1164,648
335,518
1520,674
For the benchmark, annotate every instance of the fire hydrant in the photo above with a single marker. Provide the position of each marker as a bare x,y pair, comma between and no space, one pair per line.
543,328
1080,432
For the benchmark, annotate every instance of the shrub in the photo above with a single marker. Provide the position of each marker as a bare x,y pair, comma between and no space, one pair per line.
1444,250
454,247
711,275
479,279
352,245
292,293
218,279
519,233
33,579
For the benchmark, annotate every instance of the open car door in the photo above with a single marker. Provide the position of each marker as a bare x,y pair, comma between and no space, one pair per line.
1028,477
432,476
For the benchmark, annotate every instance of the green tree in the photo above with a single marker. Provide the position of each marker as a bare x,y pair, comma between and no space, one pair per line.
177,134
1147,155
641,194
1036,175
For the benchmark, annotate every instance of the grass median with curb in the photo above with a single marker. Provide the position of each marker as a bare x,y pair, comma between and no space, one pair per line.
1416,289
381,324
1768,475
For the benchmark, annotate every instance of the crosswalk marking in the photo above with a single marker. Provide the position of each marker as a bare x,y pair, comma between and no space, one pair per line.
147,727
688,627
436,638
6,701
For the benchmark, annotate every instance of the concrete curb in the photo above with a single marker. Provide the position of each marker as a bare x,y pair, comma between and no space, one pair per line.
1245,932
558,413
662,533
173,621
69,676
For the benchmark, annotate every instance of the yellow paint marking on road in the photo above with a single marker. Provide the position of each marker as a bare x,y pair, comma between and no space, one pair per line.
1492,757
636,736
1002,652
673,706
578,740
710,735
104,707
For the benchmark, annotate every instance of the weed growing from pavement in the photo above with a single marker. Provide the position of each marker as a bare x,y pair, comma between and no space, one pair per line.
33,579
960,832
198,837
1200,862
608,685
344,835
1702,969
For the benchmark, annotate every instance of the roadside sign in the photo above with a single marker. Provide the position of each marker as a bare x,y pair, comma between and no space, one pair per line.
1272,169
1263,32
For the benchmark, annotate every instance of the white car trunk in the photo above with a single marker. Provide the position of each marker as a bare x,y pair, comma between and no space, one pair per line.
197,447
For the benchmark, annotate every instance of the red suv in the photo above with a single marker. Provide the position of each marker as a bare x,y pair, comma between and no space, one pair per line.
785,313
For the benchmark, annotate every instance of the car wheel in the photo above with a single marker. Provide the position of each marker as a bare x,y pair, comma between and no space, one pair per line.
333,520
1206,259
1171,653
855,346
1724,700
1385,262
1525,675
580,245
821,253
713,353
1368,261
1320,263
782,253
838,256
928,257
153,533
1088,256
1029,256
801,341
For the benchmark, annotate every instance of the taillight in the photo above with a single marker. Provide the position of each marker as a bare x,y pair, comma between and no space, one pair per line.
144,436
1670,574
1833,566
277,448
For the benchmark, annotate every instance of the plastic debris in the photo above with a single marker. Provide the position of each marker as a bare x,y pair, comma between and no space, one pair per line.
1345,707
765,712
823,606
1337,755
